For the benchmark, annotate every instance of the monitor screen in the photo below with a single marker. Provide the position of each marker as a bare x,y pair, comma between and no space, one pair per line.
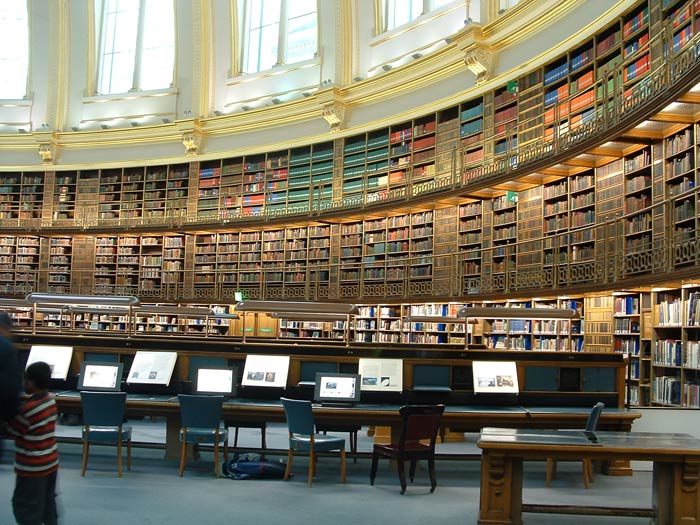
57,357
152,368
105,377
266,371
498,377
381,375
215,381
337,387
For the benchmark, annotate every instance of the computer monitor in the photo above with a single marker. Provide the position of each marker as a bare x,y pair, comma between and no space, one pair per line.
57,357
100,377
152,368
381,375
337,388
216,381
496,377
266,371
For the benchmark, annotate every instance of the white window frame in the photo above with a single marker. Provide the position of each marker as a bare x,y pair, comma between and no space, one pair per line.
282,36
136,77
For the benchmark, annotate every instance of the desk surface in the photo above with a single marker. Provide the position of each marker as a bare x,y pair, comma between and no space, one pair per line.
561,441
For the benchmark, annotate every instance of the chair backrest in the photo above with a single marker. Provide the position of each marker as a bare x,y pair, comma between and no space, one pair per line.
308,369
103,409
200,411
300,416
594,416
431,375
420,422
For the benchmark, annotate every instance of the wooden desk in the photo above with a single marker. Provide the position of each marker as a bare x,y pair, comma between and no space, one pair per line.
464,417
676,478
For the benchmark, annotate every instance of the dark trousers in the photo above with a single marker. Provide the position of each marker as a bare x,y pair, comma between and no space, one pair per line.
34,500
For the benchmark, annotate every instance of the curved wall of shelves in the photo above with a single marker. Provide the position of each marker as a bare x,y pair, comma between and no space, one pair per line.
199,223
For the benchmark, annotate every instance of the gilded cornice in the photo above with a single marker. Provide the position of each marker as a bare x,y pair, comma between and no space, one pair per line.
439,65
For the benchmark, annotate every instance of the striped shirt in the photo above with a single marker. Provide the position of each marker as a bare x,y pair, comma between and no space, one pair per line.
34,428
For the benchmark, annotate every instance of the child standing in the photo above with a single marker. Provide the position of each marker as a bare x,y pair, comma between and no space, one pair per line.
36,458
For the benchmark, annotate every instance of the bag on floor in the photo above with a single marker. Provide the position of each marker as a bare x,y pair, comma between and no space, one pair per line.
253,466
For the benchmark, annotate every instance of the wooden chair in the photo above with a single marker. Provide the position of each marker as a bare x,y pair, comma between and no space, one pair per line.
201,423
103,418
587,464
303,437
419,422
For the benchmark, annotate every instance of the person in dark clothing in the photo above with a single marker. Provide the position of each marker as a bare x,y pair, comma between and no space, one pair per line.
10,385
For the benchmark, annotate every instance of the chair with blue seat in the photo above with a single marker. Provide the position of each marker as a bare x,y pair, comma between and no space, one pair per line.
303,437
201,424
591,425
103,418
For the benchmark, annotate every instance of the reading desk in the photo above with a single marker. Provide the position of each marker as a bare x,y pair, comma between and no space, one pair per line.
676,480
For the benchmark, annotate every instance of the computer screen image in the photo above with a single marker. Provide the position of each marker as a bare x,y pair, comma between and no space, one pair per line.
381,375
341,388
268,371
498,377
152,368
102,377
217,381
57,357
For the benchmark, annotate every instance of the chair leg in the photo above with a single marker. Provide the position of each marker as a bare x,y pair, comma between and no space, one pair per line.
551,471
288,470
216,456
402,475
412,471
586,482
226,449
591,476
263,436
431,471
373,470
119,456
312,462
235,438
343,467
353,446
128,455
86,451
183,455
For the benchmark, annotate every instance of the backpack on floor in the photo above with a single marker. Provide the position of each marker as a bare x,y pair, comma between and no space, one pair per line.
253,466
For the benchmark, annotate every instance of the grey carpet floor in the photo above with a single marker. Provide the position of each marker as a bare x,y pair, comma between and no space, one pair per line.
152,493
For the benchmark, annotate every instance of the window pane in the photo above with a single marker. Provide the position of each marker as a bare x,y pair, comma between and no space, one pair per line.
118,52
300,7
14,49
302,38
439,3
262,34
400,12
158,45
268,47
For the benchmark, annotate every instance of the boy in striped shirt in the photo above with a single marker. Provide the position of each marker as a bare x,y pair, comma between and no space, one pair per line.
36,457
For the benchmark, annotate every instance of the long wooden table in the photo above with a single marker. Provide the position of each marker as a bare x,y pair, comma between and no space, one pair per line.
676,478
464,418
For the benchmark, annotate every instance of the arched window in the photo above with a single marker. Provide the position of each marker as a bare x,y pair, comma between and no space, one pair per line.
137,45
400,12
279,32
14,49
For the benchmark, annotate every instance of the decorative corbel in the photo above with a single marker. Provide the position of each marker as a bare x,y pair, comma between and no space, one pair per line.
192,140
480,61
47,152
334,114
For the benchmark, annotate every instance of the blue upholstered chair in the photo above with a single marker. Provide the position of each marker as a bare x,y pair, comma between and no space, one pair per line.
591,425
201,424
303,437
103,418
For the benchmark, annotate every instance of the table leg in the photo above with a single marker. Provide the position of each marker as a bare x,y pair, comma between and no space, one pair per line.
676,493
501,495
172,439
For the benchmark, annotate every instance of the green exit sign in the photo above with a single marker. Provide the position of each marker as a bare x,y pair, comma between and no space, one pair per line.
512,196
512,86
